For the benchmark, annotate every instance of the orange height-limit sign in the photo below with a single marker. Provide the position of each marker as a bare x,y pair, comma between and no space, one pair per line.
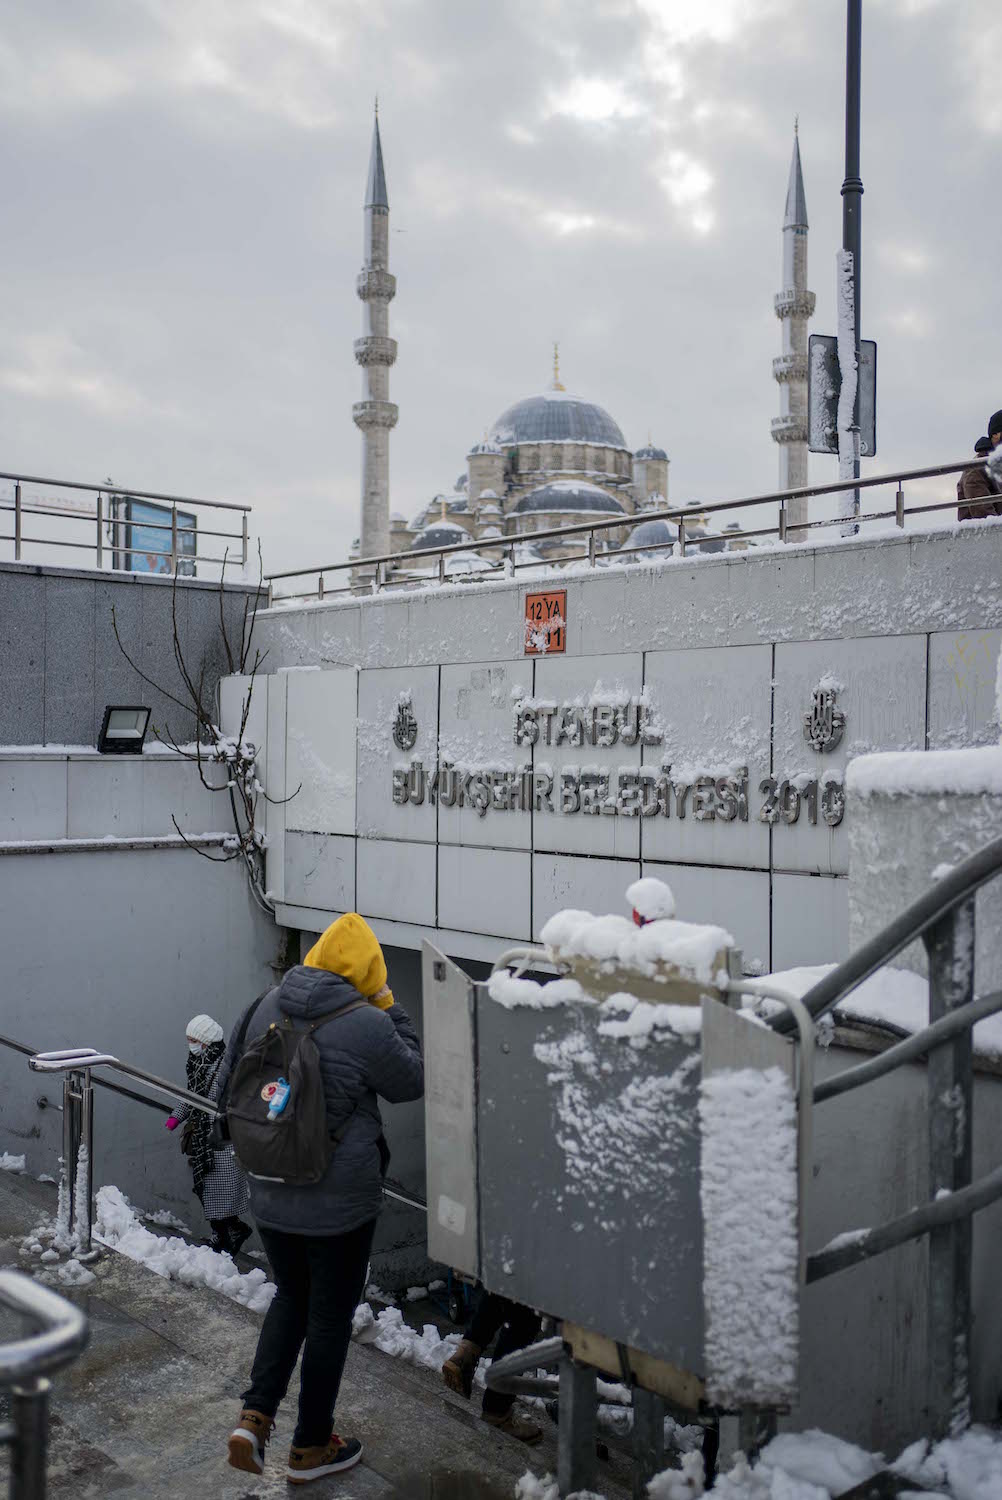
546,622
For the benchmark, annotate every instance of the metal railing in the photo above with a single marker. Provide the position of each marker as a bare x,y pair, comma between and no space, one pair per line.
944,918
25,1365
105,511
397,569
76,1171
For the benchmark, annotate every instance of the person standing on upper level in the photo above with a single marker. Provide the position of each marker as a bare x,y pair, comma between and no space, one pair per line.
977,490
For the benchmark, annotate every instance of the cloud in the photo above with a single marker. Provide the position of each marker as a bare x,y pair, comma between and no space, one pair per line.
183,188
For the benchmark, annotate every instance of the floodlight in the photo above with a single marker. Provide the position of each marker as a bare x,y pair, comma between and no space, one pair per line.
123,730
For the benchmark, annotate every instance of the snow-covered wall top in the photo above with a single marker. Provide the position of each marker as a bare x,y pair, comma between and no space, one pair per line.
898,584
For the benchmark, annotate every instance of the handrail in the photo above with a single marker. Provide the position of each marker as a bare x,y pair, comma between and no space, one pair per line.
678,514
124,490
80,1058
961,882
64,1331
508,1375
913,1046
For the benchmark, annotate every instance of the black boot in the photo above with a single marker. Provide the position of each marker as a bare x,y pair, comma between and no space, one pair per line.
237,1232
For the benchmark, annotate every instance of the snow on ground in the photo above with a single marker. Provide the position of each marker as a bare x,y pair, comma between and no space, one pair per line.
10,1163
896,996
751,1254
814,1465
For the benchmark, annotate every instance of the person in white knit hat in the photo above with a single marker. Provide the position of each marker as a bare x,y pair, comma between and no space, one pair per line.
219,1182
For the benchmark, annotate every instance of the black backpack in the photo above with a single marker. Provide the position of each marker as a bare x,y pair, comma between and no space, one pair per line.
295,1147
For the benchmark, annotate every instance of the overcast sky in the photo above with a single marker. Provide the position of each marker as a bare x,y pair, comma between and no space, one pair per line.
182,227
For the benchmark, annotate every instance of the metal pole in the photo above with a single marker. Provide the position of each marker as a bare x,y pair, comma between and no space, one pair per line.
852,192
899,506
71,1145
17,522
173,538
100,531
83,1206
950,948
30,1403
244,538
578,1409
648,1439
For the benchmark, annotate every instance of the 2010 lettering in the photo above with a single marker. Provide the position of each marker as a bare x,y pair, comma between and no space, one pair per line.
784,801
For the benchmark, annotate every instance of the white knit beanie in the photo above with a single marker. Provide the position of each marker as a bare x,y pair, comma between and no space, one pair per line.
204,1029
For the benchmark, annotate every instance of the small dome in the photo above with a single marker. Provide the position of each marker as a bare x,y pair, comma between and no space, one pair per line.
649,451
396,519
568,495
440,534
487,446
490,533
557,417
457,503
488,494
651,534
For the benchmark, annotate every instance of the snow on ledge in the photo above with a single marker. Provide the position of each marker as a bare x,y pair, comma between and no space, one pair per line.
616,942
911,773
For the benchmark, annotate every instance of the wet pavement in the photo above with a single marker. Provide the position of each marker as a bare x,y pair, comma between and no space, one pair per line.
146,1410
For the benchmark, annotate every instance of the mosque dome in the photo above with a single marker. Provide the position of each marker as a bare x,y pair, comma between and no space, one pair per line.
440,534
651,534
556,416
568,495
649,451
487,446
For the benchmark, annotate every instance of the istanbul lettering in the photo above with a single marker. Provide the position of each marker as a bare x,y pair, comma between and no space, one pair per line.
627,792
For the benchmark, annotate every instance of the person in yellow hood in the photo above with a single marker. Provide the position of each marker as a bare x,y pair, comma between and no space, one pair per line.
318,1238
350,948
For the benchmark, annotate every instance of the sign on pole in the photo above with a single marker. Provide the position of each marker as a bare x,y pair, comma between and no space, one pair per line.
824,384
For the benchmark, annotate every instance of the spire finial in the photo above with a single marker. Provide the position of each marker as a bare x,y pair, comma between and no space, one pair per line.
556,368
444,516
796,124
377,105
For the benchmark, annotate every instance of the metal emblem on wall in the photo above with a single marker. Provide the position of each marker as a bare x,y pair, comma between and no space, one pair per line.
824,723
405,725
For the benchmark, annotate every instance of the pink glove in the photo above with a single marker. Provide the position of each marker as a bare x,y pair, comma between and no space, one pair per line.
171,1123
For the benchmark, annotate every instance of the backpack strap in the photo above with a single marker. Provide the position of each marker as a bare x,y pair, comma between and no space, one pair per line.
338,1135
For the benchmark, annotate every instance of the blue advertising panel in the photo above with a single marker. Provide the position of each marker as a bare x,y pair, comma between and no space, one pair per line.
148,537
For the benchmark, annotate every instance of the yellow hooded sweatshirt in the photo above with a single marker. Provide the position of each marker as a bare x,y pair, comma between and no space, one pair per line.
349,947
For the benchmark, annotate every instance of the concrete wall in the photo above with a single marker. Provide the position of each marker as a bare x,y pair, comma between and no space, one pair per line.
61,664
116,949
728,650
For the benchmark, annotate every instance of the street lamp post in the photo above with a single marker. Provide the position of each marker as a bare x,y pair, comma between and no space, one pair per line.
849,281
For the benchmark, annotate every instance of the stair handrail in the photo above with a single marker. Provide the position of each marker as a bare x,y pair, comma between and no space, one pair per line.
25,1365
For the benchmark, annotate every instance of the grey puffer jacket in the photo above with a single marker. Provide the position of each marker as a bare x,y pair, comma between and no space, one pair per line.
363,1054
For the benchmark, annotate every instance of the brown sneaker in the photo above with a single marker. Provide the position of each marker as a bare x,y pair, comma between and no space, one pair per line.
461,1366
313,1463
248,1440
516,1424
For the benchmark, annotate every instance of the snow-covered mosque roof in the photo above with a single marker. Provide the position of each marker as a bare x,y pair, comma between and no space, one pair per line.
650,451
651,534
556,416
568,495
440,534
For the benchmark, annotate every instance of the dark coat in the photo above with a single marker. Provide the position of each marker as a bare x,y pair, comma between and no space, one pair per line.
363,1054
977,484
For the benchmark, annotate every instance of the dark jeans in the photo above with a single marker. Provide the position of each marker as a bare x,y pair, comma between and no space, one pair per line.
320,1280
519,1327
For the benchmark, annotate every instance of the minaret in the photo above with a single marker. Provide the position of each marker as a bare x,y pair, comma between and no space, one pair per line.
794,306
375,414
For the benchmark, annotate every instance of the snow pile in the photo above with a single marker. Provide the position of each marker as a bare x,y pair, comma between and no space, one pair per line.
961,773
751,1245
967,1468
10,1163
651,899
393,1336
616,942
679,1484
893,997
515,993
531,1487
644,1020
118,1226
